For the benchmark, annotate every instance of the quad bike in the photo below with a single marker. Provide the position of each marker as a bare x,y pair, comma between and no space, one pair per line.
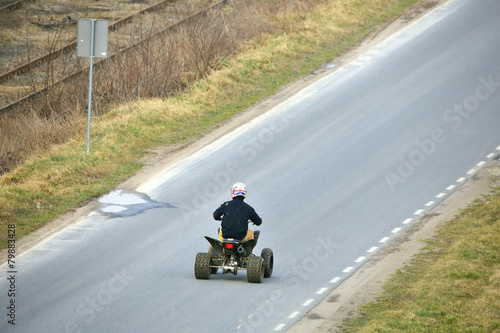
232,255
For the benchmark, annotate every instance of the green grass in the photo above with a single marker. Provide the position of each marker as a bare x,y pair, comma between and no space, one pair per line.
56,181
452,286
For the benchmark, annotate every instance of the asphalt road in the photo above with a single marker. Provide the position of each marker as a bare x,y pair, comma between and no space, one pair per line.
335,172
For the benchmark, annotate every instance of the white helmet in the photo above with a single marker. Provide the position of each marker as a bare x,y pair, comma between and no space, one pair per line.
238,189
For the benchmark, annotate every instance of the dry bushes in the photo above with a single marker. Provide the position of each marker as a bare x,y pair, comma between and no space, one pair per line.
153,66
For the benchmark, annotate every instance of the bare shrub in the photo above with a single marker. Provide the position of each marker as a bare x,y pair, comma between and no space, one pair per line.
153,65
206,41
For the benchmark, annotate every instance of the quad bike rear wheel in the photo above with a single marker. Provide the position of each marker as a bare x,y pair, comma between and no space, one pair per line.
255,269
211,253
202,266
267,255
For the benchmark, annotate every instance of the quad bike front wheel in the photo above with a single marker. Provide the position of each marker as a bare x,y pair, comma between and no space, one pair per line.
255,269
202,266
267,255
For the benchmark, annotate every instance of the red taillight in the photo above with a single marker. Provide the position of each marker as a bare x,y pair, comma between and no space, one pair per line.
229,246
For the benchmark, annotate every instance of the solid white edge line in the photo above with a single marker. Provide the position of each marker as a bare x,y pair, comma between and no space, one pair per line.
308,302
279,327
348,269
321,291
293,314
372,249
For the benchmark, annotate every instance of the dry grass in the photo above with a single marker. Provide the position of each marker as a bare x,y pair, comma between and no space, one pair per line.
454,286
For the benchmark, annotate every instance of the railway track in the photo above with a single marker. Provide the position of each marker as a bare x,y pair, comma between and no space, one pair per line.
12,101
72,46
98,63
15,5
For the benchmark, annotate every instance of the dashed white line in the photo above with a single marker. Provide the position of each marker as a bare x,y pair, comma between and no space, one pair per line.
347,269
335,279
451,187
491,155
440,195
321,291
408,220
418,212
308,302
395,230
471,171
481,163
360,259
372,249
279,327
294,314
461,179
430,203
497,148
383,240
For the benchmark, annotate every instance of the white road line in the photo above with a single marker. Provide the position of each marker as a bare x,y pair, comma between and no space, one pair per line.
471,171
418,212
372,249
491,155
395,230
335,279
321,291
293,314
408,220
347,269
279,327
308,302
360,259
383,240
481,163
440,195
461,179
451,187
430,203
497,148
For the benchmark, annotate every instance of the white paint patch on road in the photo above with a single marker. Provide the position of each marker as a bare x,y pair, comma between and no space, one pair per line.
308,302
347,269
321,291
335,279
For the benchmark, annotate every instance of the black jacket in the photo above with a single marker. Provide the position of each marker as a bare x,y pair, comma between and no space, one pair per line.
235,215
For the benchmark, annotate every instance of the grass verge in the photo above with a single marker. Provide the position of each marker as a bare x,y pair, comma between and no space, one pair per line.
452,286
58,180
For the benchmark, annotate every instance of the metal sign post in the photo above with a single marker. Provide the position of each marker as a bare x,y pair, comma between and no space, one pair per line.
92,41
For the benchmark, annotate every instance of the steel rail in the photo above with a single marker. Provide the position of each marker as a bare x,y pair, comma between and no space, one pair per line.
122,51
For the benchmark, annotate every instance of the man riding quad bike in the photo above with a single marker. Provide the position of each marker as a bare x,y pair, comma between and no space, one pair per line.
233,250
